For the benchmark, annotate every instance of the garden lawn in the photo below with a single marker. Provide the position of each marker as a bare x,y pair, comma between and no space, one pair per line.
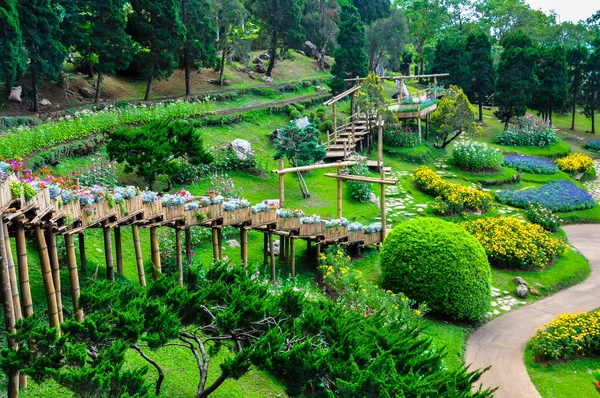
563,380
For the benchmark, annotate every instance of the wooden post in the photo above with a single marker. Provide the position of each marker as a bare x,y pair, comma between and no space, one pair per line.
265,249
353,133
155,250
12,274
215,241
73,276
292,257
272,255
339,192
220,246
110,269
53,254
47,276
382,206
281,185
345,149
244,246
82,258
400,92
419,126
318,247
9,314
334,123
435,87
23,270
282,247
308,245
380,143
188,244
138,254
119,250
178,255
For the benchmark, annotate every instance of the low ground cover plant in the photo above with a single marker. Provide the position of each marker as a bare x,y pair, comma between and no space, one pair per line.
450,198
575,163
439,263
514,244
528,131
543,217
592,145
558,196
530,164
476,156
568,336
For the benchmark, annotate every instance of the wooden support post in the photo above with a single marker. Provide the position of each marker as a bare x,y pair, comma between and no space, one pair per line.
380,144
328,140
400,92
345,149
287,246
47,276
244,246
53,254
73,276
12,273
138,254
282,247
382,206
220,236
27,303
110,269
119,250
427,119
179,255
82,258
265,248
188,244
419,127
353,133
435,87
334,123
339,192
281,185
155,250
308,245
215,241
292,257
318,247
272,255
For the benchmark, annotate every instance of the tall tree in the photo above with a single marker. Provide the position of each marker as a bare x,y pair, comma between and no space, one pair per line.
551,71
450,55
39,26
12,62
385,41
281,20
481,68
228,18
591,87
452,118
372,10
516,76
157,27
576,65
351,59
199,46
320,22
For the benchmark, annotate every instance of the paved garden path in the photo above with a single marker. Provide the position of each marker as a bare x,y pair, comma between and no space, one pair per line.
500,342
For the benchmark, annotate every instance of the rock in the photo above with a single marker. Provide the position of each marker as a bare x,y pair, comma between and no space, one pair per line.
275,135
494,304
522,291
311,50
257,60
534,291
275,248
15,94
301,52
267,79
45,102
261,68
87,92
520,281
495,294
506,293
505,308
302,122
326,63
233,244
264,56
374,199
242,148
496,312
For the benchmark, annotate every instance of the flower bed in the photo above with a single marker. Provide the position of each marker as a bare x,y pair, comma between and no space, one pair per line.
311,226
399,137
543,217
567,336
476,156
263,214
513,244
592,145
450,198
236,211
575,163
530,164
528,132
558,196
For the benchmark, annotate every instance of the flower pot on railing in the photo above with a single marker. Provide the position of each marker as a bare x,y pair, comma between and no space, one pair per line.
5,192
153,209
42,200
91,214
173,213
372,238
288,224
264,218
72,210
204,215
356,236
238,216
133,205
336,232
311,229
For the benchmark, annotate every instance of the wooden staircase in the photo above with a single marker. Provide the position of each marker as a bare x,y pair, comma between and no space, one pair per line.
352,135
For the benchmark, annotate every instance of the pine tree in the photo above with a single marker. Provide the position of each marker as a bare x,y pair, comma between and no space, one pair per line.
199,46
351,59
551,72
39,26
481,68
372,10
591,87
157,27
516,76
12,62
576,61
450,56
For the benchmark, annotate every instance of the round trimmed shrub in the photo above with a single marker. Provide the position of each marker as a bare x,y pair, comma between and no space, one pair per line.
476,156
438,263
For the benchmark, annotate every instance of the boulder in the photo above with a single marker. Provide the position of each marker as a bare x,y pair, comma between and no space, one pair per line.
275,135
15,94
267,79
257,60
301,52
302,122
520,281
233,244
326,63
311,49
242,148
87,92
275,248
522,291
45,102
265,56
374,199
260,68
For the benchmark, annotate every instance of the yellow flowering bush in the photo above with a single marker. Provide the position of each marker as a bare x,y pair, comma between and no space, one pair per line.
515,244
575,163
450,198
567,336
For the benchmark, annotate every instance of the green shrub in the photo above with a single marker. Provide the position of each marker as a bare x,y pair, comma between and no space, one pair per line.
400,137
476,156
359,190
327,125
528,132
295,115
440,263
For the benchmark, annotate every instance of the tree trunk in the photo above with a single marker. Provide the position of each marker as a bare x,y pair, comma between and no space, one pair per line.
550,115
222,74
99,86
188,76
593,123
506,123
90,69
148,89
273,54
480,108
322,49
573,112
36,103
161,373
422,68
213,386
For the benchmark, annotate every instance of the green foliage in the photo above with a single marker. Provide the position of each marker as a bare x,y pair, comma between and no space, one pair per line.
359,190
591,87
351,59
398,136
543,217
529,131
152,150
370,100
372,10
385,40
438,263
299,146
476,156
450,55
551,73
481,69
452,118
12,62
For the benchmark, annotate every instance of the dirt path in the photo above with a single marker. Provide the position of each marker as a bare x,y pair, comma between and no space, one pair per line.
500,342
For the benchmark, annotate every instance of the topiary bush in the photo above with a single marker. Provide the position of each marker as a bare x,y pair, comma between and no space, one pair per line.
476,156
439,263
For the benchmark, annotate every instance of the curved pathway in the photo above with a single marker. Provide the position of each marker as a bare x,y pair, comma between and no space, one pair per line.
500,342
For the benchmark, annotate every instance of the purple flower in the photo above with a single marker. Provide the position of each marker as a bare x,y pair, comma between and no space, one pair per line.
530,164
559,196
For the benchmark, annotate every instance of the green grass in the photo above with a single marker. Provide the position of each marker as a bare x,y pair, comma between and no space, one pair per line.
505,176
448,337
563,380
555,150
589,216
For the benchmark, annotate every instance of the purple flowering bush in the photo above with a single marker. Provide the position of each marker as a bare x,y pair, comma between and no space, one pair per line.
559,196
530,164
528,132
593,145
